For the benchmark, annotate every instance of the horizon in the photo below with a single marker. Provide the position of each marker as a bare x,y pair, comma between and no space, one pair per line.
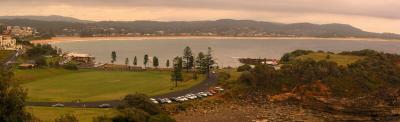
372,16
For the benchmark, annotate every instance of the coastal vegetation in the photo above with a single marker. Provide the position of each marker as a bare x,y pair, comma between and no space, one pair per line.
349,74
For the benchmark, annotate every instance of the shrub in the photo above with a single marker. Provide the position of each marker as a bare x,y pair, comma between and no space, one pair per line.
66,118
131,115
140,101
40,61
102,118
70,66
161,118
243,68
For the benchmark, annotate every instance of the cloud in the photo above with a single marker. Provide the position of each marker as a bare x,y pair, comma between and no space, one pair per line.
373,8
369,15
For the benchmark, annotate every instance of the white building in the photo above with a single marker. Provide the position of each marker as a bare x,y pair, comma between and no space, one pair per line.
20,31
8,43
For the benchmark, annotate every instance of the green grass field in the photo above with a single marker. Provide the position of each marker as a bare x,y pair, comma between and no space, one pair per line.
83,114
92,85
342,60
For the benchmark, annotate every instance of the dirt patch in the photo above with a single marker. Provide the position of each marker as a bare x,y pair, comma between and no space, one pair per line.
231,112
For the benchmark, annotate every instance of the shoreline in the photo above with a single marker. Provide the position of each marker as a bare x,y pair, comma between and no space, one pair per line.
75,39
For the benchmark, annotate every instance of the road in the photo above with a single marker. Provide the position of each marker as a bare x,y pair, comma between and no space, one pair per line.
203,86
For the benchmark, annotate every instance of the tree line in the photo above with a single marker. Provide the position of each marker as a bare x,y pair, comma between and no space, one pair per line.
187,62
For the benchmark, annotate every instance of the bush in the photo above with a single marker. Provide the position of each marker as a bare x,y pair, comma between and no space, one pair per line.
131,115
243,68
102,118
70,66
66,118
223,76
140,101
161,118
40,61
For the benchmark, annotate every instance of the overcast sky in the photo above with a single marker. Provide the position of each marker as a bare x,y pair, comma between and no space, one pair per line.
369,15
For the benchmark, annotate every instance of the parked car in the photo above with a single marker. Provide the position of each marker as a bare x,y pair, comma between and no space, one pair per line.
199,95
180,99
184,98
191,96
105,106
167,100
219,89
159,100
58,105
212,91
203,94
208,93
153,100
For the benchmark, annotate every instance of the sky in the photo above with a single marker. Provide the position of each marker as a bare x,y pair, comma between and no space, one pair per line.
369,15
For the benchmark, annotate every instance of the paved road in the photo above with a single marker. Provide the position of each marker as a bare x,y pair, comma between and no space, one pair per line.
205,85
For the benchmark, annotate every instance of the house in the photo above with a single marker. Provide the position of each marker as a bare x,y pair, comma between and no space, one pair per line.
18,31
78,57
26,66
7,43
272,62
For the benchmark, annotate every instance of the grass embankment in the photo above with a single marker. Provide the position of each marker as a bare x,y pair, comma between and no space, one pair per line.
94,85
342,60
82,114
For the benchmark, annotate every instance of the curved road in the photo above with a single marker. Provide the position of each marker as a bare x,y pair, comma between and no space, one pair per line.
203,86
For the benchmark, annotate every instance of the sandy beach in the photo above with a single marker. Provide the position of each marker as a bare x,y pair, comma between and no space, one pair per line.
71,39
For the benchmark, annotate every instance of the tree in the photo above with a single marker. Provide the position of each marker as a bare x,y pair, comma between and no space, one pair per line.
146,60
187,56
167,64
12,98
135,61
155,62
126,61
200,62
177,71
113,56
40,61
243,68
209,60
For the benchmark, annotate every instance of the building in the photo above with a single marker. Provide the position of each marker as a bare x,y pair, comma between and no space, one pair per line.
7,43
26,66
80,58
18,31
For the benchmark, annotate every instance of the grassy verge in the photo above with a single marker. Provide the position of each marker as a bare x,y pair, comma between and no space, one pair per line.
93,85
83,114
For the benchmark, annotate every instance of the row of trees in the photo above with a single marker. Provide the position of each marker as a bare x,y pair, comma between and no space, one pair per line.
202,64
146,59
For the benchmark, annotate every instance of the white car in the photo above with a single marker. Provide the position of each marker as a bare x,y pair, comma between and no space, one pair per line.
202,94
154,101
219,89
167,100
57,105
190,96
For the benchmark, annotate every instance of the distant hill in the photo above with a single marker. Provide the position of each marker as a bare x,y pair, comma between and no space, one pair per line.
47,18
223,27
